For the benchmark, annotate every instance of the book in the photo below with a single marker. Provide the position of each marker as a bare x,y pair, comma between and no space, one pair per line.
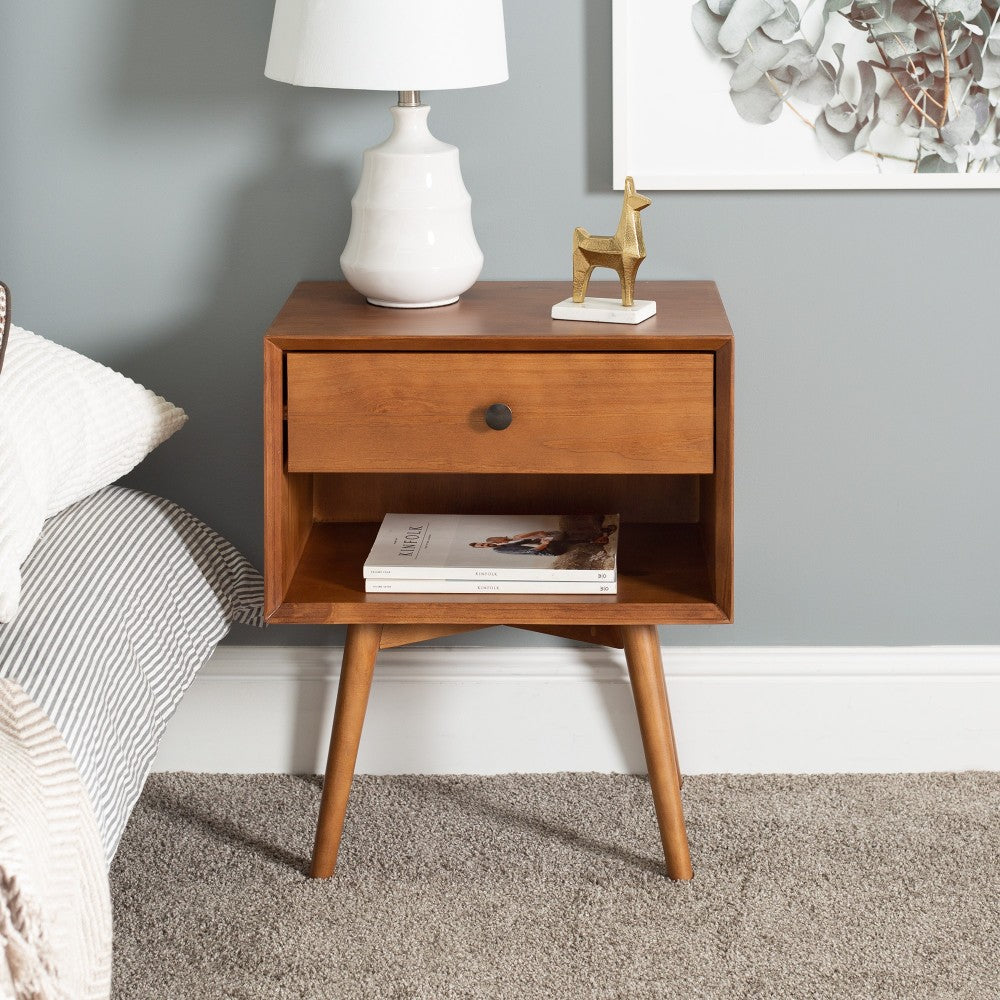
440,586
503,547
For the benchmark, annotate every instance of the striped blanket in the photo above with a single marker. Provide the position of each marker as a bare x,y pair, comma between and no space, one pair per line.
125,596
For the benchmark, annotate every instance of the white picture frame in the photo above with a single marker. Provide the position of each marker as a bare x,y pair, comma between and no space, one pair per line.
675,126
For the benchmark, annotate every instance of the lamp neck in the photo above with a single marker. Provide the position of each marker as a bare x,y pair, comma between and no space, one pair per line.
410,133
408,99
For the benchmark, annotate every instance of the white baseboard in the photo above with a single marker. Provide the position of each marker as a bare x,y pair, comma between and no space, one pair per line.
494,710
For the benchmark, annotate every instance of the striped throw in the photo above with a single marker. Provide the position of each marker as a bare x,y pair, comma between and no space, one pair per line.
55,906
125,597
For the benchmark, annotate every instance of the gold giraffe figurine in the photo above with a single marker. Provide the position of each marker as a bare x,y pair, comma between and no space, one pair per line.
623,252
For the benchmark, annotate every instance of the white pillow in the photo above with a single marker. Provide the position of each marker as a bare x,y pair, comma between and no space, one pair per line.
68,427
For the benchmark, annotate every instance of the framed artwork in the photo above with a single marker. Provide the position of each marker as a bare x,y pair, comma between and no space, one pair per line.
783,94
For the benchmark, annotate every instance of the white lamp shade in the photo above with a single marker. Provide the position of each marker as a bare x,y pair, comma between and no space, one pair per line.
387,44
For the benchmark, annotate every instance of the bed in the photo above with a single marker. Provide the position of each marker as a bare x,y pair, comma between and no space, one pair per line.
120,598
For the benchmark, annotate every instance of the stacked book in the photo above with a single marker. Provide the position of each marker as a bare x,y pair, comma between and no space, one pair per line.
494,554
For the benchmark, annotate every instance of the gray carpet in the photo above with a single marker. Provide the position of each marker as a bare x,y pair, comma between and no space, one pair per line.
549,886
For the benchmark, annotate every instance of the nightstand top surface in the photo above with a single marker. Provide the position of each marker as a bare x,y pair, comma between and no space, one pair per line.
499,316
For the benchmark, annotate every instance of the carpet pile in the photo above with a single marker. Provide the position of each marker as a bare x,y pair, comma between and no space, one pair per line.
549,886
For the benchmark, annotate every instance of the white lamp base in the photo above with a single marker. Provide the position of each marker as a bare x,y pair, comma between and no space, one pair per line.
411,244
594,310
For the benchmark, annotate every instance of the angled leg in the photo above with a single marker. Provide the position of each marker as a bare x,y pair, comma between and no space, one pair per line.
360,651
670,723
642,653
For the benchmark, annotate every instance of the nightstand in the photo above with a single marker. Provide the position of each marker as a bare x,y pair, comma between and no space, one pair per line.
369,411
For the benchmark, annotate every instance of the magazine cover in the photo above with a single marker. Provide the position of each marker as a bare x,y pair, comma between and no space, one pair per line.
496,547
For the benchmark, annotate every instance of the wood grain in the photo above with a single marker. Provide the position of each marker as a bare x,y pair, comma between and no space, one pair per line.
407,635
360,651
319,524
716,494
506,315
287,497
642,653
572,412
394,636
650,499
597,635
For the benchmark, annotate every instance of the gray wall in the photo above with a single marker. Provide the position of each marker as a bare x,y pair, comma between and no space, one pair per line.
159,199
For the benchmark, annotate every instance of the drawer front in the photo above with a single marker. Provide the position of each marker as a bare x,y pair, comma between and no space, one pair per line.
570,413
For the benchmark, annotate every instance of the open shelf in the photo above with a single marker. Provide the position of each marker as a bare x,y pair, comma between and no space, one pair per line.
663,578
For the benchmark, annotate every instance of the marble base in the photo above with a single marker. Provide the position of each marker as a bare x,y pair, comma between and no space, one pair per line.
592,310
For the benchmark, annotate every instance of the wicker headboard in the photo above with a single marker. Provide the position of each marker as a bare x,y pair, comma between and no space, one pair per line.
4,320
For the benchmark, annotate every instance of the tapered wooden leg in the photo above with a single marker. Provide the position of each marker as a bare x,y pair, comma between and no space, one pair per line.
360,651
670,722
642,653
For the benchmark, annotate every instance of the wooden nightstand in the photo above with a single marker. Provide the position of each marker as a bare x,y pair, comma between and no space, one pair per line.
370,410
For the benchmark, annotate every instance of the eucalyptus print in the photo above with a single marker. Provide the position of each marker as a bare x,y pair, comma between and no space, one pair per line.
914,84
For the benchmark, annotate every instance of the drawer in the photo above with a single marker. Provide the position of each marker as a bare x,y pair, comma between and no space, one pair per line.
571,412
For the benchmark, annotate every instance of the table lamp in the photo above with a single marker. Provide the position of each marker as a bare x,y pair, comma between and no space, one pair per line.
411,242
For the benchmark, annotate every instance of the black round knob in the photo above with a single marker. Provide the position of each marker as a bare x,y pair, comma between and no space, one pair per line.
498,416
